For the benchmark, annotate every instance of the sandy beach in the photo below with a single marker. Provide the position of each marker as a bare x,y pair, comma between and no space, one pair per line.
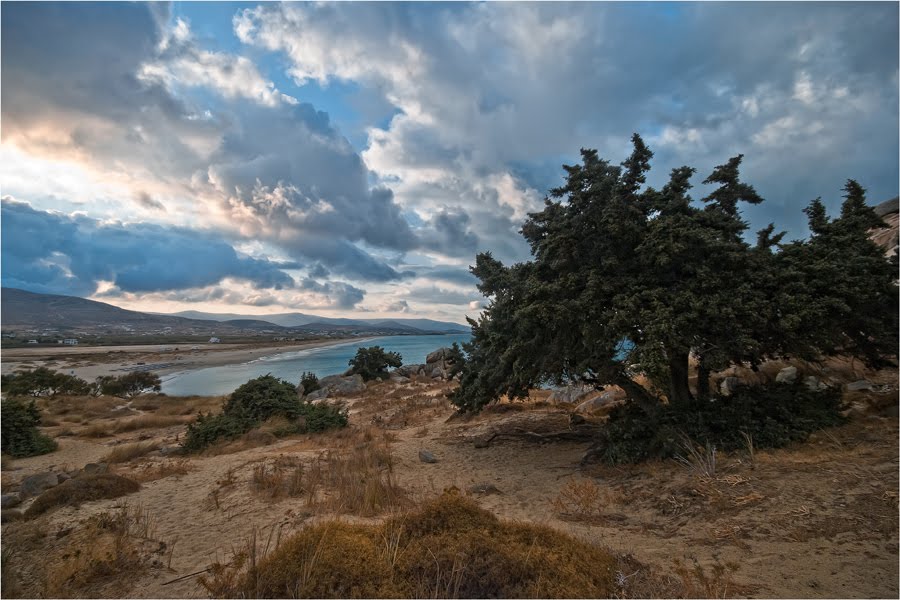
90,362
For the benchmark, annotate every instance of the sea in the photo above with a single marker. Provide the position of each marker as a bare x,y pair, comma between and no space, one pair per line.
329,360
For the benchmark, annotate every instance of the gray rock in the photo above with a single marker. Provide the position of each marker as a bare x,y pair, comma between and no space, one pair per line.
485,487
787,375
570,394
406,370
858,386
437,373
812,383
63,477
95,468
337,385
427,457
10,501
169,450
35,484
593,404
319,394
399,378
728,385
437,356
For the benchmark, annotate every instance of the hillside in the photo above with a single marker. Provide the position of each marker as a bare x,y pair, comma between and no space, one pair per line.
298,319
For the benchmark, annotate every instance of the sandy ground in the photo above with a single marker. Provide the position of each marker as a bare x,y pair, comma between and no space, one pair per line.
90,362
818,519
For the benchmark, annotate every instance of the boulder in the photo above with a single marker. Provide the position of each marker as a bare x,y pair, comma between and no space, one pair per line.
35,484
336,385
399,378
728,385
570,394
319,394
437,356
860,385
437,373
589,406
10,501
407,370
813,383
95,468
427,457
786,375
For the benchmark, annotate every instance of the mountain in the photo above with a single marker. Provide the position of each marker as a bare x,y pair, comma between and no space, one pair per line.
28,311
300,319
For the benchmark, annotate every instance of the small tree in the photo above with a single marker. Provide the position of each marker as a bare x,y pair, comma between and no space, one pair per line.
128,385
373,362
43,382
309,382
19,435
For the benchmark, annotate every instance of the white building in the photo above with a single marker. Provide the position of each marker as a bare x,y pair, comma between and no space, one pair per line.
214,340
70,342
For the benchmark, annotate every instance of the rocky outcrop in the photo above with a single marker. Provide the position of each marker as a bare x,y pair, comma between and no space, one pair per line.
438,365
888,237
571,394
35,484
338,385
787,375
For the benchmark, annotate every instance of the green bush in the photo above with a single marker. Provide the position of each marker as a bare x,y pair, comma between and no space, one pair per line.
256,401
309,382
19,435
43,382
128,385
373,362
774,415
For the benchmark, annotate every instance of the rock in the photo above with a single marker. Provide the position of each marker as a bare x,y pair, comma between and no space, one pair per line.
786,375
399,378
858,386
728,385
437,356
485,487
427,457
35,484
95,468
10,501
63,477
576,419
169,450
336,385
570,394
406,370
482,442
812,383
317,395
10,514
604,399
437,373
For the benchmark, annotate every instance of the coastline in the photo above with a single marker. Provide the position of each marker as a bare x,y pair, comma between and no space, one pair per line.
88,362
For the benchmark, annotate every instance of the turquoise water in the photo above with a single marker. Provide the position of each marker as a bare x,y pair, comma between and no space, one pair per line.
215,381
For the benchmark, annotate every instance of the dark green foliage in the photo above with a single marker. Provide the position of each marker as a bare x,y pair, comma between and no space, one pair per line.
43,382
18,425
373,362
774,415
128,385
256,401
309,382
626,280
456,359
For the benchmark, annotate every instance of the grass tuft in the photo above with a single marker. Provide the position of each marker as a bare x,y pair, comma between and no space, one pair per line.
80,489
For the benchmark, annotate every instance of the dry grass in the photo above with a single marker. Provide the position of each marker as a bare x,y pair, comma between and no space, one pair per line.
698,582
161,470
128,452
583,501
104,556
450,548
283,478
81,489
153,421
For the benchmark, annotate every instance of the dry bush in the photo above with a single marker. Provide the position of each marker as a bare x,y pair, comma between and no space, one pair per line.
583,501
149,422
161,470
177,405
278,480
697,582
127,452
449,548
104,556
97,430
82,489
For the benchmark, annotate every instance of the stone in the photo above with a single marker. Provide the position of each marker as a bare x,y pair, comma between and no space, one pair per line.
482,442
604,399
169,450
437,356
427,457
728,385
786,375
399,378
35,484
317,395
10,501
860,385
437,373
336,385
95,468
813,383
63,477
485,487
570,394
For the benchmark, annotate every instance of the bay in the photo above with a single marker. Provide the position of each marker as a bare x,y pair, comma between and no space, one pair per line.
330,360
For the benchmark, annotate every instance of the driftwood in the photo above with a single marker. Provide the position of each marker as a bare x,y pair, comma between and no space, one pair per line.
582,433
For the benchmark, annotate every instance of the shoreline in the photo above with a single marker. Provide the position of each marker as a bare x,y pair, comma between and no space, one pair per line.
88,363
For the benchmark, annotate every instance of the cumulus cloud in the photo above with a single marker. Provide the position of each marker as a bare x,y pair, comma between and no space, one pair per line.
52,252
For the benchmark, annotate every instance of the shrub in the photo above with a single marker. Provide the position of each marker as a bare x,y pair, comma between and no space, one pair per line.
128,385
19,435
256,401
309,382
772,416
43,382
127,452
373,362
449,548
83,488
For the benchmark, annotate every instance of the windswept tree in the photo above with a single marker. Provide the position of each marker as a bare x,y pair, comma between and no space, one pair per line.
627,279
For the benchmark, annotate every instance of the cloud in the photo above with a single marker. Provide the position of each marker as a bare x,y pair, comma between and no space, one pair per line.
337,295
400,306
438,295
147,201
52,252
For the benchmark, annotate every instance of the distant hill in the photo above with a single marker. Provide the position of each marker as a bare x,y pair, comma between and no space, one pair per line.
21,310
300,319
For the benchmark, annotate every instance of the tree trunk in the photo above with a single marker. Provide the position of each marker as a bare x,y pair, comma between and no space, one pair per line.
702,380
679,392
645,400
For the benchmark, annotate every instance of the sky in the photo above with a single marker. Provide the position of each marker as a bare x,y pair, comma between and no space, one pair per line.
352,159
